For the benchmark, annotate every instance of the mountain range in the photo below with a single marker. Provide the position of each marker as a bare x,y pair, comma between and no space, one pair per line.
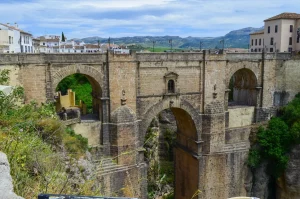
234,39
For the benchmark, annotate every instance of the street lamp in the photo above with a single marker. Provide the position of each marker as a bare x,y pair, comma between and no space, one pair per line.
153,45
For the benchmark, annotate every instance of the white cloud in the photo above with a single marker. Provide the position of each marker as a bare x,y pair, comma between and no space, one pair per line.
138,17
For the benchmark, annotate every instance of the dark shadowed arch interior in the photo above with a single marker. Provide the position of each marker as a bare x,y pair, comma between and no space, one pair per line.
186,166
242,87
88,87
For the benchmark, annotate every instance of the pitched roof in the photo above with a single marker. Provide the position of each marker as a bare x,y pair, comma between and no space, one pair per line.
79,47
66,46
14,28
257,33
52,40
285,15
91,46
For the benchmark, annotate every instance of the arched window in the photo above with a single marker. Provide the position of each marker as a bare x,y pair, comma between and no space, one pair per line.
171,86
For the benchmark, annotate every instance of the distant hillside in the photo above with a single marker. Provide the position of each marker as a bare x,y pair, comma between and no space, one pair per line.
234,39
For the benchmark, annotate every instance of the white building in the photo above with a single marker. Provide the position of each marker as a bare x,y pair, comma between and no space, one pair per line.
14,40
281,34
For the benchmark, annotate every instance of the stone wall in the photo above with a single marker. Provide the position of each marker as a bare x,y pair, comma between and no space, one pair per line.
133,89
89,130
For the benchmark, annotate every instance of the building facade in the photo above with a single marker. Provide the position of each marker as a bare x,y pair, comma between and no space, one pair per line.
14,40
280,34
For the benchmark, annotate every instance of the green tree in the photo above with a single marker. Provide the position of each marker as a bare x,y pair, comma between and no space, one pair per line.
275,141
63,39
9,101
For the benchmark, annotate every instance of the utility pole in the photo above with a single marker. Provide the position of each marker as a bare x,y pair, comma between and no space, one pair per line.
170,42
153,45
201,43
223,42
109,43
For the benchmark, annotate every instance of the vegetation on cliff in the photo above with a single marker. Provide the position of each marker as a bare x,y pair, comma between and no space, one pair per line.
42,151
274,142
160,175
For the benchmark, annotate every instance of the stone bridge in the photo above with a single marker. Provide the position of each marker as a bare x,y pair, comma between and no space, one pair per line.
214,98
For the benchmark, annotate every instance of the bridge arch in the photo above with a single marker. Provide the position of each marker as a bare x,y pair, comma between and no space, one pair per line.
165,104
89,71
186,149
242,85
94,77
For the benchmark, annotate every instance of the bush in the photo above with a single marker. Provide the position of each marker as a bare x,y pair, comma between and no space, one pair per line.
274,142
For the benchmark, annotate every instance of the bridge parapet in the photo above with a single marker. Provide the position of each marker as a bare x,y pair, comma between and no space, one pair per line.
43,58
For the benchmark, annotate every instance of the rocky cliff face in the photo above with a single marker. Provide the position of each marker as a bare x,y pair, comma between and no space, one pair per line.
288,186
260,184
6,186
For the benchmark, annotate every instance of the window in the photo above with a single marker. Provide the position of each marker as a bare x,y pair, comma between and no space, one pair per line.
271,50
255,50
255,42
291,28
171,86
9,38
259,41
252,42
290,41
298,39
251,50
272,41
269,29
290,50
25,49
276,28
259,50
12,40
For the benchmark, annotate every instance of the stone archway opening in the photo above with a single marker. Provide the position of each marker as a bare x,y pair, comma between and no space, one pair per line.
79,92
242,87
173,170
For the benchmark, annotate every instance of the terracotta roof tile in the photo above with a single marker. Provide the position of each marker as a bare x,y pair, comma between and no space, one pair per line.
79,47
257,33
285,15
52,40
91,46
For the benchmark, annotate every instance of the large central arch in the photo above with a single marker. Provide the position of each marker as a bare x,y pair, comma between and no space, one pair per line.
186,149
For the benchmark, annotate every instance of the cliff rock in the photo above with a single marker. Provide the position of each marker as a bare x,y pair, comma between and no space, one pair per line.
6,186
288,186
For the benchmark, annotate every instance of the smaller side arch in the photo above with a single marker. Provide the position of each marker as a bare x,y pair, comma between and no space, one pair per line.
91,72
233,70
242,87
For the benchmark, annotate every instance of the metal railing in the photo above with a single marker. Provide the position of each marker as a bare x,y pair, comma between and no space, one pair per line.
58,196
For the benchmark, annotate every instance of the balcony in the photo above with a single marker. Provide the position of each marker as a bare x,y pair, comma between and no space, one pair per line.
4,43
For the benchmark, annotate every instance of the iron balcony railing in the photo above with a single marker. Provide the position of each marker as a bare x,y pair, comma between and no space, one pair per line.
58,196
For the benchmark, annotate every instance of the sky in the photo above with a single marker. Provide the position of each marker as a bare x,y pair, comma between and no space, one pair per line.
119,18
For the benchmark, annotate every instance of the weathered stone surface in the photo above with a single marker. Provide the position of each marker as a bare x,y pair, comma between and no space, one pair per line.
257,182
199,103
6,186
289,183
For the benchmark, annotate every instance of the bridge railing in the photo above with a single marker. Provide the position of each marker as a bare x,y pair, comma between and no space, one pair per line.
59,196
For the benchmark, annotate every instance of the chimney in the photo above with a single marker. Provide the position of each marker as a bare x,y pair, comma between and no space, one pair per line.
16,25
